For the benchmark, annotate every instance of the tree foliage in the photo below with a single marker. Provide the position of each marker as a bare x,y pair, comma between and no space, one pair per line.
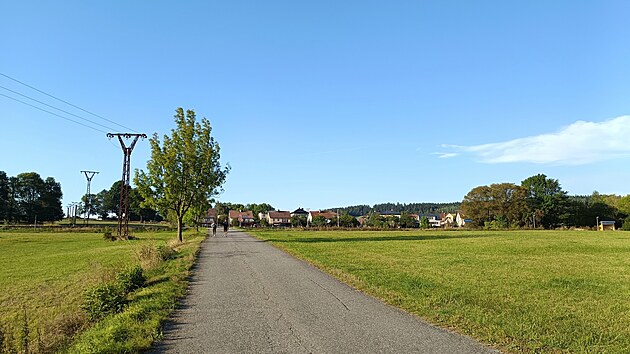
27,197
505,203
184,170
407,221
546,199
347,220
298,221
412,208
107,201
320,221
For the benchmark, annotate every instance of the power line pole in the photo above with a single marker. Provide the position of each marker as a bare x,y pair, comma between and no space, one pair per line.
88,197
123,207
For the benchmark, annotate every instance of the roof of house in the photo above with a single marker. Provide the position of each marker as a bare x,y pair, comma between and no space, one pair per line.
326,214
211,212
234,214
300,211
429,216
385,213
279,215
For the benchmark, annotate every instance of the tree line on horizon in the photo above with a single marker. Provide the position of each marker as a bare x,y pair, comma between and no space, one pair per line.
538,202
27,198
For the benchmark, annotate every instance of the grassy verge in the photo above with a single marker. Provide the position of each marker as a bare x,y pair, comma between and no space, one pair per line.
521,291
43,277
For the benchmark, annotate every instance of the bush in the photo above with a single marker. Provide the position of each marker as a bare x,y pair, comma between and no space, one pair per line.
102,300
130,279
150,256
166,252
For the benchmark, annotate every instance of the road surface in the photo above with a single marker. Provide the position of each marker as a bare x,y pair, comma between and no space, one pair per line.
247,296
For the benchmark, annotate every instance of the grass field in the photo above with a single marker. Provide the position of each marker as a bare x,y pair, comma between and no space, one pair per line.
520,291
46,273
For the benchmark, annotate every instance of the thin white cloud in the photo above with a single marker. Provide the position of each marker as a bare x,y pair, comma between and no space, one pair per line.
446,155
577,144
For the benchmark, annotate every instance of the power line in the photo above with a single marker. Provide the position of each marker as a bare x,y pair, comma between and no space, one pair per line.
54,114
53,107
66,102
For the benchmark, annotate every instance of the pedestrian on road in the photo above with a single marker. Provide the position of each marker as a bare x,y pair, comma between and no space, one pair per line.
225,228
214,229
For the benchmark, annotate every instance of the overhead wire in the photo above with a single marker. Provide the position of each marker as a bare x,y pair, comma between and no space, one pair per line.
53,107
66,102
53,113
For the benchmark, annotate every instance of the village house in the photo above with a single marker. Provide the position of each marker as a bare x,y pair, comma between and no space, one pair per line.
210,218
434,220
329,215
299,212
244,218
278,218
447,219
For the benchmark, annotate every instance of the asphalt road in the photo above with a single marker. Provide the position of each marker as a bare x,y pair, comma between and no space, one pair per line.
247,296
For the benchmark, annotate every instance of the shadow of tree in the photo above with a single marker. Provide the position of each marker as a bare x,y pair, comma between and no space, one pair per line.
377,238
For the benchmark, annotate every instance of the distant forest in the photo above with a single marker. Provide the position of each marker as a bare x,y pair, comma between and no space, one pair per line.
413,208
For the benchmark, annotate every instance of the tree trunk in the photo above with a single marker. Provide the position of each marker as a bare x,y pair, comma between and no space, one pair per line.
179,229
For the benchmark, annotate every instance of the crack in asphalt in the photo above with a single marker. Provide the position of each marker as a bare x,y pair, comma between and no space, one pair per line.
331,293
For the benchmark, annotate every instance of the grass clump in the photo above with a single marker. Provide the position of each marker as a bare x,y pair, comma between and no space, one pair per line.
103,300
130,279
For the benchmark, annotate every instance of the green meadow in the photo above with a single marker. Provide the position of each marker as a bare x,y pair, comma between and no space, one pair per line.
519,291
43,277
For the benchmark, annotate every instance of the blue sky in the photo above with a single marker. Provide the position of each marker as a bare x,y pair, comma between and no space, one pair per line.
328,103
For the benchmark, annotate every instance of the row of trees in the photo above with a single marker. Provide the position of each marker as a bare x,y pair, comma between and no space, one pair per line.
539,201
27,198
105,204
412,208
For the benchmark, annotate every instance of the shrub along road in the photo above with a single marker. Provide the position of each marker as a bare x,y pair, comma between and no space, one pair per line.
248,296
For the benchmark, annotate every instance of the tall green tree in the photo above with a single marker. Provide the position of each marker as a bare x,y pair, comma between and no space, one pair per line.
50,199
424,222
546,199
478,206
184,170
29,188
406,221
347,220
505,203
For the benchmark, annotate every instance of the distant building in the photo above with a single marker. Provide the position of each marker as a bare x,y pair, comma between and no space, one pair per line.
244,218
279,218
299,212
210,218
434,220
460,219
390,214
329,215
606,225
447,219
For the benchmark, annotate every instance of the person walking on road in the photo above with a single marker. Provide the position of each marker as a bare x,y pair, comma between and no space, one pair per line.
214,229
225,228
